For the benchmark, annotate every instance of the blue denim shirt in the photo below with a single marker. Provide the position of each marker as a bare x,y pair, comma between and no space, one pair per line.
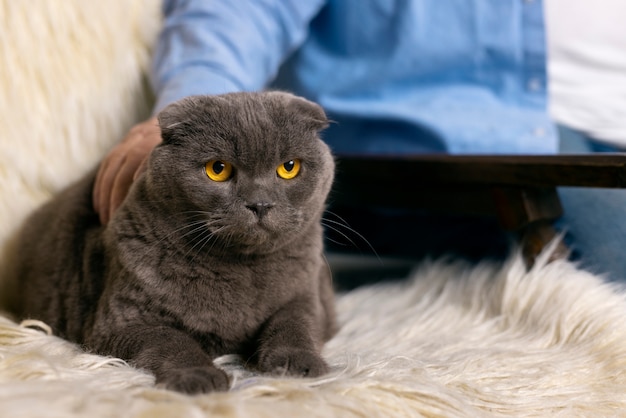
456,76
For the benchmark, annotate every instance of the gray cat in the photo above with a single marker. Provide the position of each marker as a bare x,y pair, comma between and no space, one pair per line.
217,248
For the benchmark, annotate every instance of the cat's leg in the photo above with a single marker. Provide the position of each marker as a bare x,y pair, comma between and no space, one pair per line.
290,341
175,358
327,300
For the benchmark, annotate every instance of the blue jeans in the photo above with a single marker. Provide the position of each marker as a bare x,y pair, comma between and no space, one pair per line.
594,220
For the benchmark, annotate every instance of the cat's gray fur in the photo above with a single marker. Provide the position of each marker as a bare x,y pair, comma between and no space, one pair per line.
187,269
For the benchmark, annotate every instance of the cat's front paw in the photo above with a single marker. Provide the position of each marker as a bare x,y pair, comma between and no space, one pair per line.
293,362
194,380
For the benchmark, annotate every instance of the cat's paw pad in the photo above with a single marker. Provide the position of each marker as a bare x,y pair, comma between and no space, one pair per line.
293,362
193,380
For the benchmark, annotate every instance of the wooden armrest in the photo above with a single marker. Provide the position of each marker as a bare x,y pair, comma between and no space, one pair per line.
473,184
519,190
589,170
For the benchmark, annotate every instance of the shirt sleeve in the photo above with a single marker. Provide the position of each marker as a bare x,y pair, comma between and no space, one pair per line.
214,47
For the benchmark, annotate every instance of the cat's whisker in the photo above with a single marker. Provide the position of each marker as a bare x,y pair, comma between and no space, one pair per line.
343,221
340,233
228,240
223,241
215,241
345,225
196,225
204,237
202,242
151,230
330,270
196,213
334,241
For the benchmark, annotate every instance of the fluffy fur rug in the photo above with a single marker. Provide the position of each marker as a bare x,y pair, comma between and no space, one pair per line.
72,81
452,340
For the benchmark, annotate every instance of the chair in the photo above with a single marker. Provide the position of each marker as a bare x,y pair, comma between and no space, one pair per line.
520,191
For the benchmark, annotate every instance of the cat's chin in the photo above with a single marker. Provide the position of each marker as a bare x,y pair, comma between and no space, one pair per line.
259,240
255,249
260,243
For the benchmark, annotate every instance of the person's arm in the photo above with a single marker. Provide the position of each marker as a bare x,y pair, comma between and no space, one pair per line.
205,48
219,47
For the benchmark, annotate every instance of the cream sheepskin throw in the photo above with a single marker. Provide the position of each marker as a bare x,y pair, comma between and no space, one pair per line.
72,81
452,340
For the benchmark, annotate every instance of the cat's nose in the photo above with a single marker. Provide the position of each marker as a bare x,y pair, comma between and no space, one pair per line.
260,209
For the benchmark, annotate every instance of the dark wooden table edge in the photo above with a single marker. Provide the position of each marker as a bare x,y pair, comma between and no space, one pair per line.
605,170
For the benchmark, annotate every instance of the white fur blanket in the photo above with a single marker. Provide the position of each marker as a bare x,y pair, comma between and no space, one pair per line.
453,340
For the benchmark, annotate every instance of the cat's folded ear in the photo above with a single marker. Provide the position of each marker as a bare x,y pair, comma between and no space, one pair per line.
185,115
305,110
173,117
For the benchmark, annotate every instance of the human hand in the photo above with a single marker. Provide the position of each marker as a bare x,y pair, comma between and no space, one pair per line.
121,167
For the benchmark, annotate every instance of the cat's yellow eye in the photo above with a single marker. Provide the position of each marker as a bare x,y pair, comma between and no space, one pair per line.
218,170
288,170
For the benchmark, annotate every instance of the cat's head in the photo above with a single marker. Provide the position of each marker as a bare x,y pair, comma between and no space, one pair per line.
245,171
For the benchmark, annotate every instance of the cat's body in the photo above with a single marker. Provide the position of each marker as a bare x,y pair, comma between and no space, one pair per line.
191,268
